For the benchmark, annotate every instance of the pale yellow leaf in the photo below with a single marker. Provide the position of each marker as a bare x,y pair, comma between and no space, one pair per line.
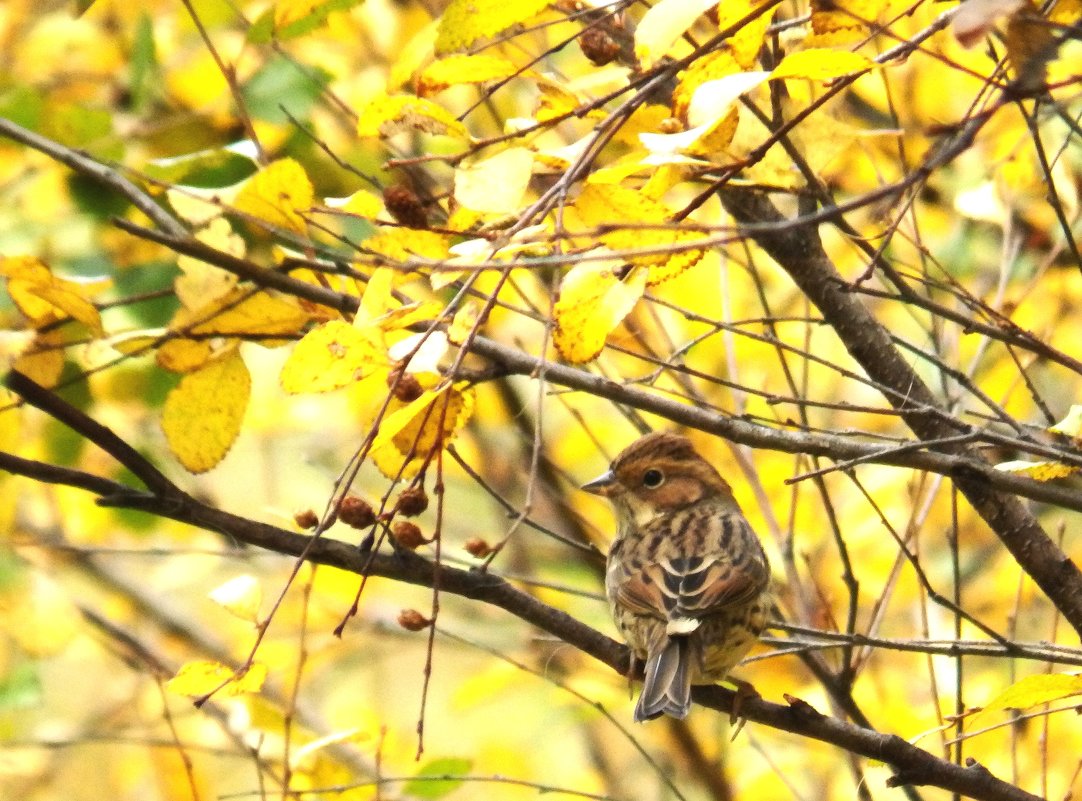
279,194
495,185
626,220
202,415
663,24
462,69
332,355
197,205
1040,471
423,350
362,203
593,300
711,67
464,323
241,596
1029,692
199,282
410,432
410,58
1071,425
202,677
378,298
464,22
389,114
821,64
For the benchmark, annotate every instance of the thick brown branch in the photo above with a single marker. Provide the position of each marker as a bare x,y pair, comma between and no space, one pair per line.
799,251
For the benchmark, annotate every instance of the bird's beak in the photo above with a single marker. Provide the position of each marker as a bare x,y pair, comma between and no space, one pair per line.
604,484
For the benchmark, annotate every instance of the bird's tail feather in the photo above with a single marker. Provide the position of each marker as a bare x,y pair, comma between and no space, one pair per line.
667,687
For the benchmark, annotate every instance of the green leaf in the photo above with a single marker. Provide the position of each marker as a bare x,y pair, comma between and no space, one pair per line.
437,778
144,63
20,687
280,86
314,18
205,169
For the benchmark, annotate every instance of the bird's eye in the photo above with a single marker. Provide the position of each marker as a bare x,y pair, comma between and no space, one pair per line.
653,478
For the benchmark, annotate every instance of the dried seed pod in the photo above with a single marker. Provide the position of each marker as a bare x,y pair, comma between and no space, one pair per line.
404,386
412,620
356,512
412,501
403,204
475,546
599,46
408,534
306,518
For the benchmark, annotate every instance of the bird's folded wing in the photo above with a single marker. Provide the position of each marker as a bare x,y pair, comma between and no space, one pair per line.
691,586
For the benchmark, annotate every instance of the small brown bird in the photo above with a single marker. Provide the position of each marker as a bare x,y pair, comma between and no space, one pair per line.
687,578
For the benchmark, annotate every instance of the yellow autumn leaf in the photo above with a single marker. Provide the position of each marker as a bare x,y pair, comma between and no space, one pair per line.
1071,425
279,194
710,67
417,51
1040,471
387,115
462,69
42,359
663,25
43,297
202,677
844,20
332,355
244,313
592,301
497,184
465,21
183,355
403,244
200,283
821,64
1029,692
362,203
627,220
744,45
463,324
554,100
241,596
410,432
202,415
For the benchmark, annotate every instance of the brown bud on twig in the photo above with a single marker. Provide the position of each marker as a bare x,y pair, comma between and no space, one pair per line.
412,620
403,204
306,518
412,501
408,534
475,546
356,512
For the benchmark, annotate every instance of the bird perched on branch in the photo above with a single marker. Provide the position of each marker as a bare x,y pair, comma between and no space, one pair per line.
687,578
